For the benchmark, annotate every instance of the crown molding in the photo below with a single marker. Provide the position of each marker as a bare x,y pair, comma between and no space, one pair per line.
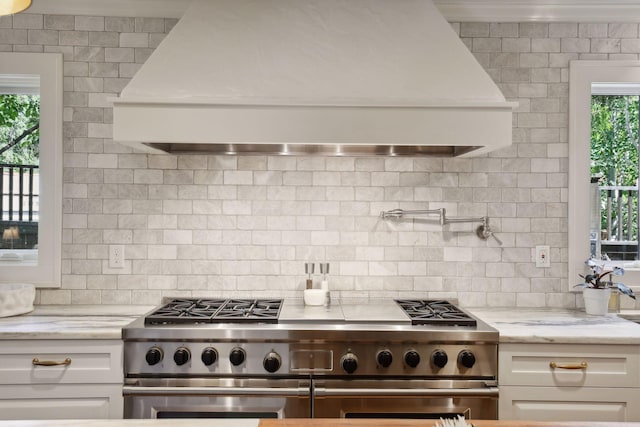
540,10
129,8
453,10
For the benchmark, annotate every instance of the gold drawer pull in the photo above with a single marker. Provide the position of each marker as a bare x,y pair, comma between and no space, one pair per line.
581,365
38,362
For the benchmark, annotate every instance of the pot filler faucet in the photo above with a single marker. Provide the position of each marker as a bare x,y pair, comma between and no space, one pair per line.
483,231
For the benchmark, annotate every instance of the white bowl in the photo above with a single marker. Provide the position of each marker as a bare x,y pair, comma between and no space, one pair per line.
314,296
16,298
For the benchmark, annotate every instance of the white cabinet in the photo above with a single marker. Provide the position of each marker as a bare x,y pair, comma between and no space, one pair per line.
569,382
60,379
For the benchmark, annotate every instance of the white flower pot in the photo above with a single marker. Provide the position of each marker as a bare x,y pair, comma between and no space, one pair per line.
596,301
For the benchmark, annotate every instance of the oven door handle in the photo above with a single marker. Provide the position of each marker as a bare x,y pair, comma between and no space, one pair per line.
214,391
407,392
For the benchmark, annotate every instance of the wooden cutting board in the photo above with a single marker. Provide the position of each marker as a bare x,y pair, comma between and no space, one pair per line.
319,422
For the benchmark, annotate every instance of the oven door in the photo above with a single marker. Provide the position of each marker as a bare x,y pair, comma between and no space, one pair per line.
405,399
216,398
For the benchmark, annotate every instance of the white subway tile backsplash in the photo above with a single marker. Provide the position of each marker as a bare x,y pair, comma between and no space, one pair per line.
545,45
59,22
214,225
150,25
28,48
592,30
577,45
28,21
530,299
474,29
369,164
626,45
514,44
134,39
51,296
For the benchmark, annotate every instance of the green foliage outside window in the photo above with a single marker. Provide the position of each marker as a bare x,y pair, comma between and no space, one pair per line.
614,146
19,121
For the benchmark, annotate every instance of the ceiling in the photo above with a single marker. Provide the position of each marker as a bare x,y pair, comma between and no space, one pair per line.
453,10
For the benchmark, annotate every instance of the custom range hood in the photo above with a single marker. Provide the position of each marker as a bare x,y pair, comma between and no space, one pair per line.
330,77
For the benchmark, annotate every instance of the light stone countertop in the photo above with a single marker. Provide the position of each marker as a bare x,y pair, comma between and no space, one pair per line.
70,322
516,325
559,326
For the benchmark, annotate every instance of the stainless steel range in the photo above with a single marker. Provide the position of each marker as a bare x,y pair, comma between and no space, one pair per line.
237,358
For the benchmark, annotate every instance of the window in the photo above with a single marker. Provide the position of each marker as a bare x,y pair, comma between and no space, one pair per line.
19,168
613,223
32,196
589,78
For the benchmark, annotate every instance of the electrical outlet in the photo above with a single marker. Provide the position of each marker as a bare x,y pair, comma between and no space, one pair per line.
116,256
543,259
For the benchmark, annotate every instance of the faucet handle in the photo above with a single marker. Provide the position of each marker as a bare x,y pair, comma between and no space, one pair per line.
484,231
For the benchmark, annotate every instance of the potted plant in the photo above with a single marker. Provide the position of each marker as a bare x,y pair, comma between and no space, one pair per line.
598,285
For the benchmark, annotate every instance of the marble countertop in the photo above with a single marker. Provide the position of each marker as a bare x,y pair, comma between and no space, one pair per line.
70,322
516,325
559,326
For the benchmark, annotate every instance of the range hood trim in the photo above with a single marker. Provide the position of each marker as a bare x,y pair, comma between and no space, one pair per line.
333,150
155,126
313,72
298,102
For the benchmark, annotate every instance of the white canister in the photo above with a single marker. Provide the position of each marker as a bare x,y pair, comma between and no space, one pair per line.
314,297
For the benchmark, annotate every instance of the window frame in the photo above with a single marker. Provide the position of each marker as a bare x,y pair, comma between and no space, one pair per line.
582,74
47,274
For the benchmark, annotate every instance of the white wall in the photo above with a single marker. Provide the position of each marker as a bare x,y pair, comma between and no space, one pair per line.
244,226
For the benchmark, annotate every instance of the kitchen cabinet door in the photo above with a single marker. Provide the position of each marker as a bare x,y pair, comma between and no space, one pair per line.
569,404
569,382
41,402
58,379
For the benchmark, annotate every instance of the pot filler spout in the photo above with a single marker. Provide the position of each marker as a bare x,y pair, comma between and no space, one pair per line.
324,77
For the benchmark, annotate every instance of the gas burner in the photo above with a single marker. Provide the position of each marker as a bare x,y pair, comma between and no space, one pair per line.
250,310
216,311
435,312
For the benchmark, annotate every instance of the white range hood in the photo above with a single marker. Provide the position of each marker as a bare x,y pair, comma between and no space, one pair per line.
330,77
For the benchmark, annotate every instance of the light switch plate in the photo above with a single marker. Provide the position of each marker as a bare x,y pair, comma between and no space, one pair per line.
543,258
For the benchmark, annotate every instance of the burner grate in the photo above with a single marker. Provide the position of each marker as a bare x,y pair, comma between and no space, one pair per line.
188,311
435,312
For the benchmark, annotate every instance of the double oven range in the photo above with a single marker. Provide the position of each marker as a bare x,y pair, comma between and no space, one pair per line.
240,358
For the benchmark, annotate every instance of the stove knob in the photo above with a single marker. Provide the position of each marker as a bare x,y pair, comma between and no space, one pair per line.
272,362
384,358
439,358
349,363
412,358
237,356
209,356
154,355
181,356
467,359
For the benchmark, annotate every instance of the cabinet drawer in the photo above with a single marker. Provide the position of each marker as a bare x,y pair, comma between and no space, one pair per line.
62,401
90,361
569,365
569,404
